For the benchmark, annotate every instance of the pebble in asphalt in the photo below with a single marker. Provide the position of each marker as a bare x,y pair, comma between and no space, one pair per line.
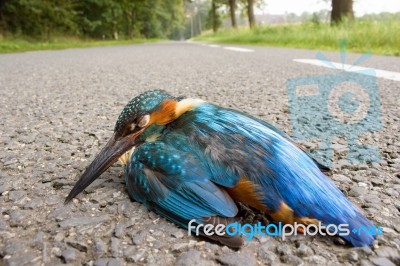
59,107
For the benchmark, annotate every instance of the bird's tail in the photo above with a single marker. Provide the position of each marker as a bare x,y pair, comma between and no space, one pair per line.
303,184
352,225
361,230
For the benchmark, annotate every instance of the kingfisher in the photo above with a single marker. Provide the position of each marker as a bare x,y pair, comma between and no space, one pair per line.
187,159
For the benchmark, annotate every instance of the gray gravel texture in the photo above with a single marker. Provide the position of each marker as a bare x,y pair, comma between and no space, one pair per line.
58,109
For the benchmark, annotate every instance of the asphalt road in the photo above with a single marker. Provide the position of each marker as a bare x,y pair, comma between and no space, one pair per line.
57,109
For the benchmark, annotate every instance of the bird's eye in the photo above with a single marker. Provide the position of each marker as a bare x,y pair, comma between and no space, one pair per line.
133,126
144,120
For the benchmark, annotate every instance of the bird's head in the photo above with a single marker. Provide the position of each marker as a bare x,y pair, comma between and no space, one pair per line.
149,112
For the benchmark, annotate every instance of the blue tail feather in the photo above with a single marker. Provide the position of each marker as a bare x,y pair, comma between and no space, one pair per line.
360,234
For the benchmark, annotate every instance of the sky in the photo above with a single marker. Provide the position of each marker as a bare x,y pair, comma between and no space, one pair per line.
360,7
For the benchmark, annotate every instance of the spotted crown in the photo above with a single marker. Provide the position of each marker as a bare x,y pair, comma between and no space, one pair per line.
140,105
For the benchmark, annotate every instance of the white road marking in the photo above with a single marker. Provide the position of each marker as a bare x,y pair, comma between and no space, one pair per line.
349,68
237,49
231,48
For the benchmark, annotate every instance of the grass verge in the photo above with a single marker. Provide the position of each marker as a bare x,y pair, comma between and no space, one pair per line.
12,45
378,37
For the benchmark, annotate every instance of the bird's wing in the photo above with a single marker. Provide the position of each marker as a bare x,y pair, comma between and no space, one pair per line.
285,174
283,134
177,185
263,154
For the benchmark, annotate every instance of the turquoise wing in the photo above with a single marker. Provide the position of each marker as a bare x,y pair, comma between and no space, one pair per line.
178,186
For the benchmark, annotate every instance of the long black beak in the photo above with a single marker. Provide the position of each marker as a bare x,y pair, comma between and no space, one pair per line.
107,157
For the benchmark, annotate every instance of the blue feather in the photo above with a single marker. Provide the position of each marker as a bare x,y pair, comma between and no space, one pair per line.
252,148
176,183
181,175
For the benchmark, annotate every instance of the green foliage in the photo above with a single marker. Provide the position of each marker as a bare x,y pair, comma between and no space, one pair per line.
105,19
20,45
210,18
37,18
315,19
363,35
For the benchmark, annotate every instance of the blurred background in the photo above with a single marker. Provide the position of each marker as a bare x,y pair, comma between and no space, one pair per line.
367,25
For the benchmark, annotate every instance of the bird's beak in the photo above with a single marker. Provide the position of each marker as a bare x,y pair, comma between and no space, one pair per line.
107,157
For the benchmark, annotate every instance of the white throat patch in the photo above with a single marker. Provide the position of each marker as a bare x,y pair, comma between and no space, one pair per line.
186,105
124,159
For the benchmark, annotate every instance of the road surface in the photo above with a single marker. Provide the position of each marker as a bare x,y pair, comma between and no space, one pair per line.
58,108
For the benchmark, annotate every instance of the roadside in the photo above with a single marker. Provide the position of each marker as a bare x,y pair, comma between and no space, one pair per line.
14,45
377,37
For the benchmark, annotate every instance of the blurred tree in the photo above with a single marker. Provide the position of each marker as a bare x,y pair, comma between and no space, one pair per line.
315,18
98,18
248,9
38,18
129,17
173,23
214,16
341,9
220,8
2,22
92,18
250,13
214,20
232,11
198,17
